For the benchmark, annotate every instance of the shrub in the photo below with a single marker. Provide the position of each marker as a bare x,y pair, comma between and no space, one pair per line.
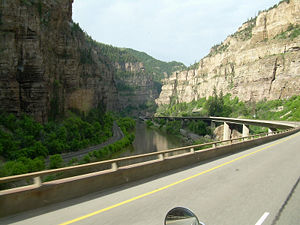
56,161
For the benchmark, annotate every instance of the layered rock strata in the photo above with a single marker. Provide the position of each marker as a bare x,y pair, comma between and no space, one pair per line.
47,64
137,90
260,61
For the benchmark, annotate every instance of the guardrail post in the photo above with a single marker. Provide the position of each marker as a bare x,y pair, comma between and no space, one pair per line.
161,156
192,150
37,182
214,145
114,166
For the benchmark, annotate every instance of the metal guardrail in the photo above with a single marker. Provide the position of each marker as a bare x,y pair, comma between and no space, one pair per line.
114,164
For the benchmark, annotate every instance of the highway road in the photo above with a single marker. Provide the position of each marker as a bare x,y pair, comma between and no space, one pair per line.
117,135
254,187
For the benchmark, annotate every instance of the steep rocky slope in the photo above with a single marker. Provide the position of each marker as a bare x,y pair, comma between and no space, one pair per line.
260,61
47,65
138,78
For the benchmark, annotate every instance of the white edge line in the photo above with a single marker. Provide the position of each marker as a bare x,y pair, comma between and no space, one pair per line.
262,219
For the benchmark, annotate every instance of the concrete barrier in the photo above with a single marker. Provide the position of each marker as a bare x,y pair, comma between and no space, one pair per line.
30,197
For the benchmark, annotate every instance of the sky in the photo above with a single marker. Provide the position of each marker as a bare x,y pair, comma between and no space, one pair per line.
168,30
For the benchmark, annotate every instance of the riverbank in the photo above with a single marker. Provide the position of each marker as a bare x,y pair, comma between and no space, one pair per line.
184,135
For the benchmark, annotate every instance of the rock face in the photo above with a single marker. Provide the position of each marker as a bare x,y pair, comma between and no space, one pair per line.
47,63
137,90
260,61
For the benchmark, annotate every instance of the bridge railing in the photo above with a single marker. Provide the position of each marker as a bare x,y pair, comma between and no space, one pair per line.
114,164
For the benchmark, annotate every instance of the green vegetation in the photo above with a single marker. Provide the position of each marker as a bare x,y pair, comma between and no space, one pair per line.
246,33
199,127
23,140
155,67
276,5
25,143
173,127
282,1
194,66
292,32
86,56
149,123
56,161
54,102
22,165
39,7
26,2
76,28
127,125
120,59
225,106
219,105
1,18
217,49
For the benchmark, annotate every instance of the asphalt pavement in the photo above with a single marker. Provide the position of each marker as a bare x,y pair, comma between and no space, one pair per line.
254,187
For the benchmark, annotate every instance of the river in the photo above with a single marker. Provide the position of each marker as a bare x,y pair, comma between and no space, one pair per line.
151,140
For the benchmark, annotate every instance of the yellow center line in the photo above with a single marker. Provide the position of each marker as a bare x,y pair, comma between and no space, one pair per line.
175,183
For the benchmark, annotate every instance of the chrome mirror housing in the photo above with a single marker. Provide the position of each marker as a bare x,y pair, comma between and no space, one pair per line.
181,216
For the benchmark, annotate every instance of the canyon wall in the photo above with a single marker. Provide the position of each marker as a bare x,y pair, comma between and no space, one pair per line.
47,64
137,90
260,61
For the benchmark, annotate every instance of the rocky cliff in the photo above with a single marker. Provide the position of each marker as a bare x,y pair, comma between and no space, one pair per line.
138,78
260,61
47,63
136,88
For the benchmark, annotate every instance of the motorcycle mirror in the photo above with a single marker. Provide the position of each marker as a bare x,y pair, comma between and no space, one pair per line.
181,216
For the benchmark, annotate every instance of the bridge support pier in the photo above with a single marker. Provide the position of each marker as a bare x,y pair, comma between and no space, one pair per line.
227,132
271,130
245,130
213,125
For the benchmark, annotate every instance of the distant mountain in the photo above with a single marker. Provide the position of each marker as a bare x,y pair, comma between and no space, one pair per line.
138,77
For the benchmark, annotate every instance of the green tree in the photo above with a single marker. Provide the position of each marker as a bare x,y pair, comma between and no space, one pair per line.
56,161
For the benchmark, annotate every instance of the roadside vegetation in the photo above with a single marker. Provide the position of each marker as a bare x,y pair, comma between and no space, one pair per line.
25,143
226,106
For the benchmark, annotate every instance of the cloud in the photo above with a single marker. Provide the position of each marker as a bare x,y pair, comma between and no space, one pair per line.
166,29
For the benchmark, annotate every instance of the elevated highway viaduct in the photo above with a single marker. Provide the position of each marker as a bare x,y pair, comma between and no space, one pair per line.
271,125
235,182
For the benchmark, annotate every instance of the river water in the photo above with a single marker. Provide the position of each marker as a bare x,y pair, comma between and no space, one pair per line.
151,140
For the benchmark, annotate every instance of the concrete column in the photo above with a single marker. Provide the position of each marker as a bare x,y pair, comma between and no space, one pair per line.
271,130
227,132
245,130
213,125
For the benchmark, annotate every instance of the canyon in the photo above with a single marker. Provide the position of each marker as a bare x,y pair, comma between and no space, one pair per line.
259,62
49,65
